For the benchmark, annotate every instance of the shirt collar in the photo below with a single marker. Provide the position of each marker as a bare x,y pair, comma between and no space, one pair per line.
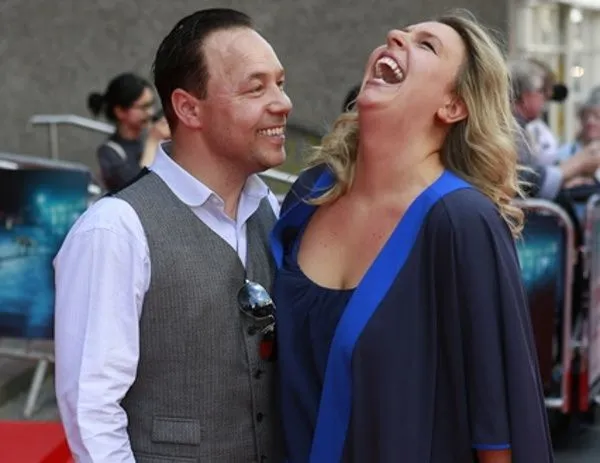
189,189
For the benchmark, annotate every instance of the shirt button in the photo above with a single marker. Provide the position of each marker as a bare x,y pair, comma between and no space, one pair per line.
263,458
259,417
251,330
258,374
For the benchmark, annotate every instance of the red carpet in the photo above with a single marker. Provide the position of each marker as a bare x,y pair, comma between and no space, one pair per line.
33,442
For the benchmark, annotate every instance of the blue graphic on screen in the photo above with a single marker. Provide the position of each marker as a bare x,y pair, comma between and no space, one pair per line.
37,208
541,255
542,258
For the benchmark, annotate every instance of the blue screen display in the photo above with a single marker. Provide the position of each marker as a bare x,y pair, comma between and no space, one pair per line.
37,209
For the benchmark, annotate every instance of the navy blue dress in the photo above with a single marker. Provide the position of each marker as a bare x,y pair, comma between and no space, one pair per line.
429,359
305,330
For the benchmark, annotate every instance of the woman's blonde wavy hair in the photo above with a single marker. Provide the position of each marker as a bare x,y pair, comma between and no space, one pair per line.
480,149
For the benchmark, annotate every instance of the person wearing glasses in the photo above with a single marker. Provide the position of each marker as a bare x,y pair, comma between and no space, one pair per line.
164,329
403,333
529,97
128,102
588,139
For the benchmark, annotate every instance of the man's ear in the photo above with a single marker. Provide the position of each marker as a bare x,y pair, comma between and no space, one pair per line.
187,108
453,111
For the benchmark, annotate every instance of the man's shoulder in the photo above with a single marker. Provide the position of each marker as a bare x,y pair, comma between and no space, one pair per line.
110,214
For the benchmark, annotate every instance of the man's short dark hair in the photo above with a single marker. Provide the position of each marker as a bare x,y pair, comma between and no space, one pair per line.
180,60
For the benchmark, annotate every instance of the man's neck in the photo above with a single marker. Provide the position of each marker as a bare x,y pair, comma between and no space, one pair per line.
224,178
520,117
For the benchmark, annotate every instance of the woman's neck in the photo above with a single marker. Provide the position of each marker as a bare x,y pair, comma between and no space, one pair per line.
393,170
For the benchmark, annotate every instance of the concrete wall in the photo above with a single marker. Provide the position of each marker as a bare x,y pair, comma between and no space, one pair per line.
53,53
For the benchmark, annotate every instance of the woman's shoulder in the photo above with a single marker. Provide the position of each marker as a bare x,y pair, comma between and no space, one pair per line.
111,147
303,185
466,211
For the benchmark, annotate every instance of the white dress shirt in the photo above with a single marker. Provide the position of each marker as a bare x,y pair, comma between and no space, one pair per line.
102,274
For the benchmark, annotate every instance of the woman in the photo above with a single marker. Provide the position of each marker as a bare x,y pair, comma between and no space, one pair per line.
403,329
128,103
588,139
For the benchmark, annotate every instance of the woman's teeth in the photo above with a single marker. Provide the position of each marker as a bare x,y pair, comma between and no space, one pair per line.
388,70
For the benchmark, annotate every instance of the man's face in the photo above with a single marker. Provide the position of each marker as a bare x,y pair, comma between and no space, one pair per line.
534,101
246,107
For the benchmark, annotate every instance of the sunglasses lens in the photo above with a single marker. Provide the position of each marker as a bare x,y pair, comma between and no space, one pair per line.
255,301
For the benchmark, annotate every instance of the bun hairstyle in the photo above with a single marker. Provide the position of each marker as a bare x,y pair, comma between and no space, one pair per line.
95,103
123,90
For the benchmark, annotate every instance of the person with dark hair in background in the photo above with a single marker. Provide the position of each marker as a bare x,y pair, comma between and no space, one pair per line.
163,345
128,102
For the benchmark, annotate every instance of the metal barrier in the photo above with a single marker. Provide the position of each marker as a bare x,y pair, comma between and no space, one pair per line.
591,332
53,121
547,208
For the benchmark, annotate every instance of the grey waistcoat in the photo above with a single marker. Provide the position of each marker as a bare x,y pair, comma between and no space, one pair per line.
202,393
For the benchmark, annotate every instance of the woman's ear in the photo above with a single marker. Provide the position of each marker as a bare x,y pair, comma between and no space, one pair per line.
453,111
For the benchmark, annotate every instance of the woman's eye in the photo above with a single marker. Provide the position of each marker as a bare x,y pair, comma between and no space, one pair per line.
428,45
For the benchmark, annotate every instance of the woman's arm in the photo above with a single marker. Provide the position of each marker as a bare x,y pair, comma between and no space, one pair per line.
158,132
503,391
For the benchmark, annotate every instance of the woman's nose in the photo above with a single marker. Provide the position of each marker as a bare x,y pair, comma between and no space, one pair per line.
396,38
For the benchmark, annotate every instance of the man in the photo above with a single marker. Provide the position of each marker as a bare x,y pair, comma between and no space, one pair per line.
155,361
545,144
529,98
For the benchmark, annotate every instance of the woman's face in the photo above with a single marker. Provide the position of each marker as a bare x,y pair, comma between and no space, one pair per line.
140,113
590,123
414,72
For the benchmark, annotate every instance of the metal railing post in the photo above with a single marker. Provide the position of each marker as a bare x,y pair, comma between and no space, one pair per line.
53,138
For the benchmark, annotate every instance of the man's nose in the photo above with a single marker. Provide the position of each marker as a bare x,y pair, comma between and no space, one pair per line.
282,104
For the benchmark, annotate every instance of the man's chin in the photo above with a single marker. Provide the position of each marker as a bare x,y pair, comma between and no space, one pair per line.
272,160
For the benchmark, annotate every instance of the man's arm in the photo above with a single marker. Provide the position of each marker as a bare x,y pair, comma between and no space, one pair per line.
540,181
101,276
